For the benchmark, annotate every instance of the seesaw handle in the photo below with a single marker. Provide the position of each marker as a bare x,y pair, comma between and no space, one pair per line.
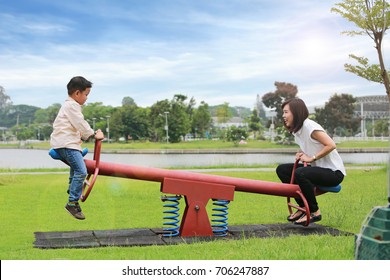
91,178
291,205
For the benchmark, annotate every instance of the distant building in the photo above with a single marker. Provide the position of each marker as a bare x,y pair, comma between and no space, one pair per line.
235,121
372,107
259,106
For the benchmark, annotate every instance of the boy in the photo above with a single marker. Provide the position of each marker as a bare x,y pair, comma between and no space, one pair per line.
69,129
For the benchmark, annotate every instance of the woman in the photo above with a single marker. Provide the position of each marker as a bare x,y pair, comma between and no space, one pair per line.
325,166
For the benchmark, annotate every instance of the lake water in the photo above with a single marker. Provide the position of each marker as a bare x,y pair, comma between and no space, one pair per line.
30,158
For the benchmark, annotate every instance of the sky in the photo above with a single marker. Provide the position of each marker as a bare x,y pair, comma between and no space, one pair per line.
215,51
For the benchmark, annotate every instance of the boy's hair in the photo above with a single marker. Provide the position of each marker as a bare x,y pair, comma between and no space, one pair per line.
299,111
78,83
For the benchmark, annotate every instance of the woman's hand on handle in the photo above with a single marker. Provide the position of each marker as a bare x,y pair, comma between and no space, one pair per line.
298,156
306,158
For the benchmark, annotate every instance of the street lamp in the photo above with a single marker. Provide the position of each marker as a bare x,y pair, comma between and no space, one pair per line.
108,128
166,124
272,114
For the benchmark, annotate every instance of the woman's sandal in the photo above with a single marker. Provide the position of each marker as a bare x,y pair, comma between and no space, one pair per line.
313,219
296,216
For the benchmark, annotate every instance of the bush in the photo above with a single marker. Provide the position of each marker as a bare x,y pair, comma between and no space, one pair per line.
236,134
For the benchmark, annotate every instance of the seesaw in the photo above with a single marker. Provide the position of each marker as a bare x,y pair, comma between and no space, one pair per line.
197,190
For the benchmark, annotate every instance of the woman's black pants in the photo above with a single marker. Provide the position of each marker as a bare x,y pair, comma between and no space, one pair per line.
308,177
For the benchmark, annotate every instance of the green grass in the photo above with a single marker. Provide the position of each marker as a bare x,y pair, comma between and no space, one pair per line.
33,170
30,203
363,144
204,144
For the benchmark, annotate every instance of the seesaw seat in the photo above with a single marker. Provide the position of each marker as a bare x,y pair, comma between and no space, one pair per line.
53,153
88,183
334,189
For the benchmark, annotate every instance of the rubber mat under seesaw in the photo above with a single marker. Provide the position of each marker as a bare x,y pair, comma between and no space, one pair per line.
148,237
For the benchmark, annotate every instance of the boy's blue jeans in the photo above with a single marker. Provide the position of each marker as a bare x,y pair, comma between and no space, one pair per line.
77,174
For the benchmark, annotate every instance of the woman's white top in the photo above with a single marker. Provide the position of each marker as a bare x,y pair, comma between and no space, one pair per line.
311,147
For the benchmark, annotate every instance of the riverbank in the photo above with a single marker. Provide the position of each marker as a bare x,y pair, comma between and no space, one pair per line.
180,158
196,170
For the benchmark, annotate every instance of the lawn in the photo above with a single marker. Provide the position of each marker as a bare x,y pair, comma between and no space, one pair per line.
35,202
203,144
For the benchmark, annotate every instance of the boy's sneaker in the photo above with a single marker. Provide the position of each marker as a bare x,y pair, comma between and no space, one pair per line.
75,210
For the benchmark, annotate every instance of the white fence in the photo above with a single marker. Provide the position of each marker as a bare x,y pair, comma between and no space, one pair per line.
339,139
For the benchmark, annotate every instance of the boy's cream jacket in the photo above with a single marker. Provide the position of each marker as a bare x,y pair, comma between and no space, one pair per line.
69,127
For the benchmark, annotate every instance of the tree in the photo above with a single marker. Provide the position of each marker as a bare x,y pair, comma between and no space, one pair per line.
157,119
99,112
223,113
130,122
24,132
41,116
20,115
178,120
254,123
236,134
381,128
5,100
201,120
175,113
274,100
337,113
191,107
5,105
372,18
128,101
